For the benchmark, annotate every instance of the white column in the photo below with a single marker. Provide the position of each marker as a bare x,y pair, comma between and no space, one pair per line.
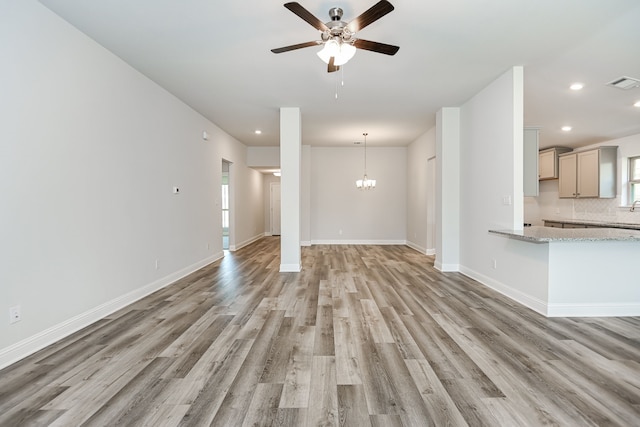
448,189
305,208
518,147
290,154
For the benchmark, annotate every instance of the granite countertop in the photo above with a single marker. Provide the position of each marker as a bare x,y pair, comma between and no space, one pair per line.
538,234
626,225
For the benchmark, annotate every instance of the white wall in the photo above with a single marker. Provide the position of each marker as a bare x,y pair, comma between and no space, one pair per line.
418,152
268,157
373,216
90,150
487,167
246,200
491,142
268,180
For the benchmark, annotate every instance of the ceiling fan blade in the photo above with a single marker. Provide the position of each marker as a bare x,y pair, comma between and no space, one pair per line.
295,46
331,67
374,13
387,49
306,15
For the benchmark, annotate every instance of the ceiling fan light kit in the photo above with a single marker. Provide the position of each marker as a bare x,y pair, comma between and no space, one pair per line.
338,37
340,52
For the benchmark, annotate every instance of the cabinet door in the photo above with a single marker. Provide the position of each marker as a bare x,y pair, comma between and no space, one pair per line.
588,174
568,171
547,165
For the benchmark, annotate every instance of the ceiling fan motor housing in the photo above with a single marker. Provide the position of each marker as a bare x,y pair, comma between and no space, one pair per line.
337,27
335,13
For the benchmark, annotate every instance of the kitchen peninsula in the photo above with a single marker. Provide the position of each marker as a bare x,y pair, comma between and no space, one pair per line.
576,271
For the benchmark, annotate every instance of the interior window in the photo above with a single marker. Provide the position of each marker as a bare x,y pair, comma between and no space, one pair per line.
634,178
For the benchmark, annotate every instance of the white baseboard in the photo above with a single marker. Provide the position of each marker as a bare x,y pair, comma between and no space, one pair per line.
290,268
446,268
416,247
358,242
431,252
529,301
247,242
593,310
305,243
555,309
28,346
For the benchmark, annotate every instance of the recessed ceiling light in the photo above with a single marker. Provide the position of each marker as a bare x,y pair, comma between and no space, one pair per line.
576,86
257,132
566,128
637,104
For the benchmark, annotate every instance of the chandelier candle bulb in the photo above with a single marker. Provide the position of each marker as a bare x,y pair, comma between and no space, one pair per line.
365,183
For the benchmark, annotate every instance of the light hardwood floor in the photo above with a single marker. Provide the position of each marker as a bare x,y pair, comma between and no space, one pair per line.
364,335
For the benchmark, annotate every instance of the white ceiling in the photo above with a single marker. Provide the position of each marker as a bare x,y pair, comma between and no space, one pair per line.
215,56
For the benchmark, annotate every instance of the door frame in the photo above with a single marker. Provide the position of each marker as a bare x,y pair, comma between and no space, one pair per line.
271,205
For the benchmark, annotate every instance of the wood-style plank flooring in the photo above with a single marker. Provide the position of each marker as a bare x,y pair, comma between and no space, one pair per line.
364,335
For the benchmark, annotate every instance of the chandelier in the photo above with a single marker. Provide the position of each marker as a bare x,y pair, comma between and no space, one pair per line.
365,183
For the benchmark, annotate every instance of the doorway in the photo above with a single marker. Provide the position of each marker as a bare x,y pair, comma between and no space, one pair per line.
225,205
275,208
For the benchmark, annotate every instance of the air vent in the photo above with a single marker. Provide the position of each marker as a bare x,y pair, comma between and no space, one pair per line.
624,83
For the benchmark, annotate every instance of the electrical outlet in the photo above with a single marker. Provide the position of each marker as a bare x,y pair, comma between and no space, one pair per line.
15,314
340,232
156,264
495,264
176,190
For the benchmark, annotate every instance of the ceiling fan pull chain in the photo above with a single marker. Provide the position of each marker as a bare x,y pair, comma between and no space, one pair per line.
342,74
336,87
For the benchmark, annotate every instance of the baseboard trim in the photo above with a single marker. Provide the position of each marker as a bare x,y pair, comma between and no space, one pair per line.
446,268
247,242
28,346
416,247
547,309
593,310
290,268
358,242
535,304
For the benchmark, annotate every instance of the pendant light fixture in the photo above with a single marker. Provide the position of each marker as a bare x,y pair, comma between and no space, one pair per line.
365,183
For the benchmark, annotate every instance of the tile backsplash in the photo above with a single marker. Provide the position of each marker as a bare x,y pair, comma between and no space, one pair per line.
549,206
608,210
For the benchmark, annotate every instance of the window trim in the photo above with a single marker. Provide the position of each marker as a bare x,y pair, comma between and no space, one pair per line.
634,184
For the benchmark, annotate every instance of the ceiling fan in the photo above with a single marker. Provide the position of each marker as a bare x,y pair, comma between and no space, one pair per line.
338,37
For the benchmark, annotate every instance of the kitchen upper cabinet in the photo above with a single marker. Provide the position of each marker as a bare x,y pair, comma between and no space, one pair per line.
590,173
568,176
548,162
